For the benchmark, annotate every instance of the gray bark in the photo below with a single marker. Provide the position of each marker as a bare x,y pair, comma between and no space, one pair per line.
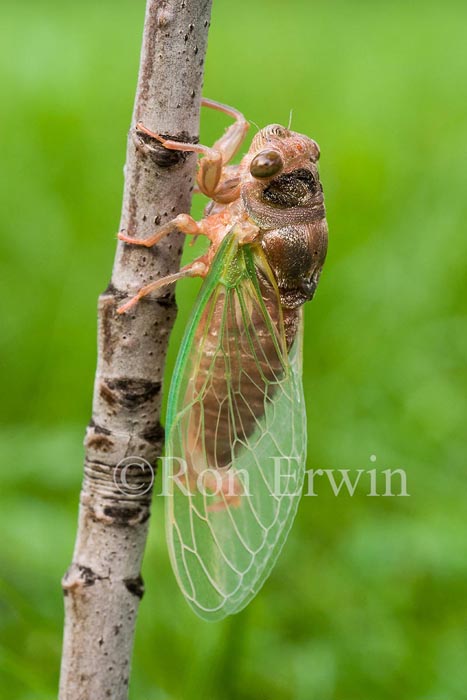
103,585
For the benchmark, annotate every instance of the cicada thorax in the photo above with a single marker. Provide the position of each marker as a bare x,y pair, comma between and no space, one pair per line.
284,198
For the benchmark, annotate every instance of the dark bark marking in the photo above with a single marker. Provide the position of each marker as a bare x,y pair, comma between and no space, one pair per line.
124,516
167,301
130,393
107,394
155,434
89,577
135,586
112,291
78,575
100,442
98,428
163,157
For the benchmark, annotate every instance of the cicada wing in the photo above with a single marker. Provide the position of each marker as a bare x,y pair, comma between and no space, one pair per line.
236,445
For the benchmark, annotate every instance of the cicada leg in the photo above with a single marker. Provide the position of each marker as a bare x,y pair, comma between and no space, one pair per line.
183,223
210,167
198,268
232,139
227,502
228,491
209,175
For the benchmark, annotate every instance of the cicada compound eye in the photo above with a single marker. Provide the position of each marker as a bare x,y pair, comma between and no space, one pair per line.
315,152
266,164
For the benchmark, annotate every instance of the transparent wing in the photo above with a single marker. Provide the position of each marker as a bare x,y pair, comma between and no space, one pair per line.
236,444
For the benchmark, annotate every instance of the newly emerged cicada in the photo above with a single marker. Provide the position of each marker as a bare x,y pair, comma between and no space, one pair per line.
236,422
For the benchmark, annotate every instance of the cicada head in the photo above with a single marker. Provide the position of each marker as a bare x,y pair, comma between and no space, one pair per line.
280,183
289,144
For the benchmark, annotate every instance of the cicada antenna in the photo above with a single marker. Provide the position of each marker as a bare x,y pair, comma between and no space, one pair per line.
254,124
290,118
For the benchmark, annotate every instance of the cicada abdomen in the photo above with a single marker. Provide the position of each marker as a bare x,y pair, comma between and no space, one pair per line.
239,369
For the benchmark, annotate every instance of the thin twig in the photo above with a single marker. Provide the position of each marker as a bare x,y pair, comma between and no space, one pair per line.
103,585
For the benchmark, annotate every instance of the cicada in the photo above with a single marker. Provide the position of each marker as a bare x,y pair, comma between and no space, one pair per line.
236,422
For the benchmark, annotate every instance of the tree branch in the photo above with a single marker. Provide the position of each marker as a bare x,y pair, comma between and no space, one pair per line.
103,585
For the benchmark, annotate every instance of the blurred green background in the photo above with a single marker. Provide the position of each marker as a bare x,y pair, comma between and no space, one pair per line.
368,601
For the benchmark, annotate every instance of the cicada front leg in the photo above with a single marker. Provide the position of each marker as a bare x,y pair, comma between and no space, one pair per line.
215,158
228,144
212,171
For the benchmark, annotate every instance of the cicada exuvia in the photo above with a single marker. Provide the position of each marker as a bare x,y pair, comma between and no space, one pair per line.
236,421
